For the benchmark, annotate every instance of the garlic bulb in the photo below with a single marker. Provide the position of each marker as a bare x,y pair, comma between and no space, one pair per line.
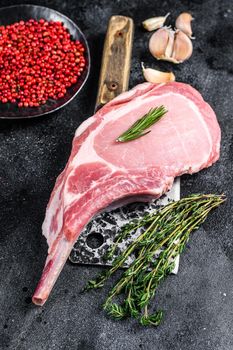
156,76
183,22
169,45
154,22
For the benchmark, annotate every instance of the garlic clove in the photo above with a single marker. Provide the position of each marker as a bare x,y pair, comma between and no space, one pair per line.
183,47
159,41
154,22
156,76
183,23
170,44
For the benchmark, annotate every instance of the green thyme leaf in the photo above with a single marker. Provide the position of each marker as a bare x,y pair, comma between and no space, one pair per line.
115,311
152,320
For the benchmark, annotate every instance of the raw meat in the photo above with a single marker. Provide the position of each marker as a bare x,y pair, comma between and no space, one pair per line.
100,171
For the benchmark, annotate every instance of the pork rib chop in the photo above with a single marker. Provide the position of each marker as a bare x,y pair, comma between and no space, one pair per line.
101,171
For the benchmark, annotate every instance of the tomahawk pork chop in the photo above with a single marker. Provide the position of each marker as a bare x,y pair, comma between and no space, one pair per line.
101,171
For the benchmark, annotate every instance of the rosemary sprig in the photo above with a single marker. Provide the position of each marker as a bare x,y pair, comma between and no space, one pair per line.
165,236
138,128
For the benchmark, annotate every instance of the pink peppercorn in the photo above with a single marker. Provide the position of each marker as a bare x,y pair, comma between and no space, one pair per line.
38,60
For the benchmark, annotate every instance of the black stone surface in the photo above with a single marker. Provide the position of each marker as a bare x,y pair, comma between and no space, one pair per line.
198,303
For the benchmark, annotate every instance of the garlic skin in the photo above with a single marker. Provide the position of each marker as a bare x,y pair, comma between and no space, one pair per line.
156,76
169,45
183,47
183,23
154,22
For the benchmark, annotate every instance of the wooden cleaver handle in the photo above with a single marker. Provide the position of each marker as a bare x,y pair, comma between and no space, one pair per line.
115,68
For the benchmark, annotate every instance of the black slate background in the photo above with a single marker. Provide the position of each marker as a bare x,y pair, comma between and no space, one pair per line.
198,303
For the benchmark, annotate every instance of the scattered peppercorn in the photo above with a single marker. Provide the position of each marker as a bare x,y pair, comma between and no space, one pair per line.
38,61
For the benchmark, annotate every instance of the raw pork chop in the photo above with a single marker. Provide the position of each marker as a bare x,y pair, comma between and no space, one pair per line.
101,171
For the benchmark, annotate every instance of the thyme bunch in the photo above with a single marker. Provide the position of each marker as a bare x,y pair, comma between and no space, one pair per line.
163,239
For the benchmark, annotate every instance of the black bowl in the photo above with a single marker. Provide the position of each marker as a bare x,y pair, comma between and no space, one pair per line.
12,14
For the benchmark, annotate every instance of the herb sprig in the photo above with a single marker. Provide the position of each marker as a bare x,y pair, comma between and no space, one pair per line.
165,236
138,128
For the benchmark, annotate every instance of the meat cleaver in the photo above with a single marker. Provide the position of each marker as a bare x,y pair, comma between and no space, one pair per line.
99,234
